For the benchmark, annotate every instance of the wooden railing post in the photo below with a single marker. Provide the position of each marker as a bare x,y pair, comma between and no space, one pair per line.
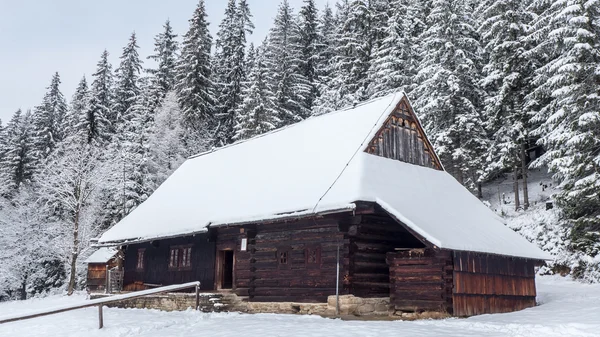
100,318
197,296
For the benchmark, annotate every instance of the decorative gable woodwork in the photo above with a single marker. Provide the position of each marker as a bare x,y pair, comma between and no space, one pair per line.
402,138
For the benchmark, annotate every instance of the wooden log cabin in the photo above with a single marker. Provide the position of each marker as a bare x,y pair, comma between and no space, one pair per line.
270,218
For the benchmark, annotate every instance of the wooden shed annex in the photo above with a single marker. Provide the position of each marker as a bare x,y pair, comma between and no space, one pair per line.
265,218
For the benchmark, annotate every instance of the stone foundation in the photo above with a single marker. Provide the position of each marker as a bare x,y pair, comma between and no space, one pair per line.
350,306
170,302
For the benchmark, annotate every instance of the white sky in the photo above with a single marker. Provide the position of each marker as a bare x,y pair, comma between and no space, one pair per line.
40,37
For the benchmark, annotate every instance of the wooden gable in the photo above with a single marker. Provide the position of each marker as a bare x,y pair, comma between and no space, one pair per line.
402,138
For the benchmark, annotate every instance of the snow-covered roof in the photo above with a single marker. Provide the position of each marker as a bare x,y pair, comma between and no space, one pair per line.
313,167
102,255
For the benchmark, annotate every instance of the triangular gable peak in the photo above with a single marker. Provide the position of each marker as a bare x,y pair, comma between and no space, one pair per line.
402,138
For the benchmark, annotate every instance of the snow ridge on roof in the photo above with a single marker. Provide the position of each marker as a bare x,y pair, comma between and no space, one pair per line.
102,255
313,167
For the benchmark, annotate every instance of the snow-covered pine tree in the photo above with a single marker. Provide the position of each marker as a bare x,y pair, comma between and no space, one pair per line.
134,141
94,122
166,148
571,120
352,57
447,97
77,110
165,56
230,66
325,53
508,73
48,119
126,85
18,164
309,43
395,60
282,57
193,82
257,113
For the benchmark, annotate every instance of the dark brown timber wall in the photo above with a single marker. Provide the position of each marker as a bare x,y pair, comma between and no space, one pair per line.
371,239
421,280
156,269
485,283
292,261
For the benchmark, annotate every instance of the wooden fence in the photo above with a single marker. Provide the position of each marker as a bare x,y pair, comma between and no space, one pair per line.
102,301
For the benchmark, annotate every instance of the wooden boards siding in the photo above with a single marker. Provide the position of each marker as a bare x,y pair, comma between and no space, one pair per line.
421,280
156,263
96,275
402,138
485,283
370,240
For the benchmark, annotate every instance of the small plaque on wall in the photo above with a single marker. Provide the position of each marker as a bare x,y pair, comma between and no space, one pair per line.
244,244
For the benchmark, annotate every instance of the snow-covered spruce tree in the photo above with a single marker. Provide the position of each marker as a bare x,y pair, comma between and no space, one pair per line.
257,113
448,95
230,66
309,43
193,82
325,53
166,147
570,131
396,60
70,186
48,119
18,162
282,57
507,77
352,57
94,123
77,110
134,141
126,85
165,55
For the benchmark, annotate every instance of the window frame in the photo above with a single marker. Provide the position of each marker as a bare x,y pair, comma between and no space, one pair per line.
180,257
308,252
288,261
141,259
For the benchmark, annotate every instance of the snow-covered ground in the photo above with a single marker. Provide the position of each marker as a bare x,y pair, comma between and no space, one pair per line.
566,308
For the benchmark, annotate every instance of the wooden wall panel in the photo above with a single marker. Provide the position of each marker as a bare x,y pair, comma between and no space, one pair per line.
421,280
402,138
260,276
156,262
370,240
485,283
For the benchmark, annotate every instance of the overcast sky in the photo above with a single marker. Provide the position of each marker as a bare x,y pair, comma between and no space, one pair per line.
40,37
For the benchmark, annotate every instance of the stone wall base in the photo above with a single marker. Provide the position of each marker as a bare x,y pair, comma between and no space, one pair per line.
170,302
350,306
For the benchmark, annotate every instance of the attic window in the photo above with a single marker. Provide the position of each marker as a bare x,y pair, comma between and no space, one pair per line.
140,259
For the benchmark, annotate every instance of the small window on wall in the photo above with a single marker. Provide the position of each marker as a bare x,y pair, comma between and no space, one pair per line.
283,258
180,257
140,259
313,256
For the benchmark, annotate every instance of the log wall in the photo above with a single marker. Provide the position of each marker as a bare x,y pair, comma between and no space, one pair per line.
421,280
485,283
371,239
156,263
259,274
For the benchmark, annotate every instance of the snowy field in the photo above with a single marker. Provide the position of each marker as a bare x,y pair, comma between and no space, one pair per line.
566,308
